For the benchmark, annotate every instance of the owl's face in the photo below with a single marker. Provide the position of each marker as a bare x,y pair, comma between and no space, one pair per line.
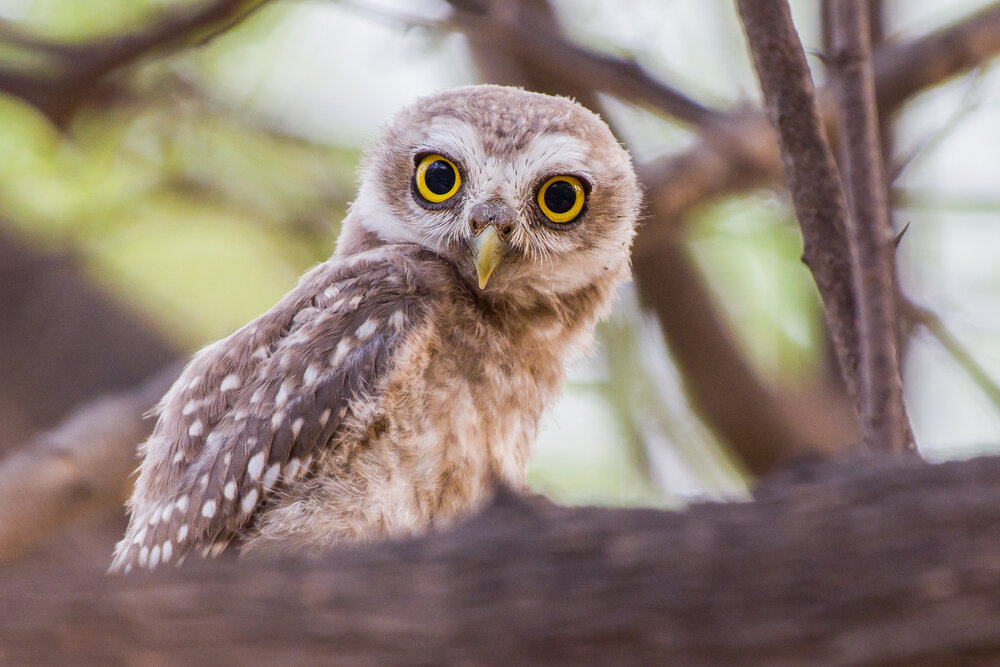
518,190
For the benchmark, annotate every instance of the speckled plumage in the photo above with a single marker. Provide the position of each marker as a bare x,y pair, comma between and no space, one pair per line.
388,391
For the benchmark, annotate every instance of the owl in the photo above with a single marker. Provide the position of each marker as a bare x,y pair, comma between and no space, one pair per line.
400,380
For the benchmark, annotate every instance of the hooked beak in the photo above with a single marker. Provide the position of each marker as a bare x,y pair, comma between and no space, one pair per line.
489,251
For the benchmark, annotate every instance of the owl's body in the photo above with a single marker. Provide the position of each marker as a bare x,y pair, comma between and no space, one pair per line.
401,379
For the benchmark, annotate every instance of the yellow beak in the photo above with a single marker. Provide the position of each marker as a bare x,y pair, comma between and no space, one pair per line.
489,251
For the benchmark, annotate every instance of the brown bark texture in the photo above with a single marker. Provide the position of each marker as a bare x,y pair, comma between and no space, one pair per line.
798,576
810,172
870,234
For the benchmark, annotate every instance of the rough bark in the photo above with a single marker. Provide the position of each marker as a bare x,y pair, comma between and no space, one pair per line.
810,170
797,577
885,422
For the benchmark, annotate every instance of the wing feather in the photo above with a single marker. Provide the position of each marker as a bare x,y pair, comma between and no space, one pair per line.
252,411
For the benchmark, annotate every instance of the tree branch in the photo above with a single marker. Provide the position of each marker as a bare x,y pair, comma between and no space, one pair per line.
65,340
522,28
81,467
710,169
810,171
884,416
797,577
72,71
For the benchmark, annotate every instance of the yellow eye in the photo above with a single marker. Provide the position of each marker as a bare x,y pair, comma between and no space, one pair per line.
437,178
561,198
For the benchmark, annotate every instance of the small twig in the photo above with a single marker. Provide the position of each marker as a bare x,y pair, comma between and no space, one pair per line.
870,236
971,101
933,323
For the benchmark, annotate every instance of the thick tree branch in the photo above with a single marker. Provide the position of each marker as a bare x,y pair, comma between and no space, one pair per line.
884,416
797,577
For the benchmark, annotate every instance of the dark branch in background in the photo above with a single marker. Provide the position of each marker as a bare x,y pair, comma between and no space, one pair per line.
798,577
84,466
554,56
708,170
810,171
885,422
65,341
71,72
678,184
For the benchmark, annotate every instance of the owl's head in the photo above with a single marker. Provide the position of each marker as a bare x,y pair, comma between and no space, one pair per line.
518,190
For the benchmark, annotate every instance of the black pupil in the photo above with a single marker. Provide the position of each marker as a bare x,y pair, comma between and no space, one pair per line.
439,177
560,197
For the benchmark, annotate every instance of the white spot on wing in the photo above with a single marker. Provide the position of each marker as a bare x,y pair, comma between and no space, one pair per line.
292,469
196,429
208,509
154,557
260,352
190,407
324,417
312,372
297,426
143,556
230,491
231,381
271,476
283,392
256,466
398,320
182,533
178,457
249,501
182,503
366,330
343,348
168,551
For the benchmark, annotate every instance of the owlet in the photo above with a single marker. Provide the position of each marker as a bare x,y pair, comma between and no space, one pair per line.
391,388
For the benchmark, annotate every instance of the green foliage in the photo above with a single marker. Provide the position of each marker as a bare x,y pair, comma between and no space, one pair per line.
750,249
